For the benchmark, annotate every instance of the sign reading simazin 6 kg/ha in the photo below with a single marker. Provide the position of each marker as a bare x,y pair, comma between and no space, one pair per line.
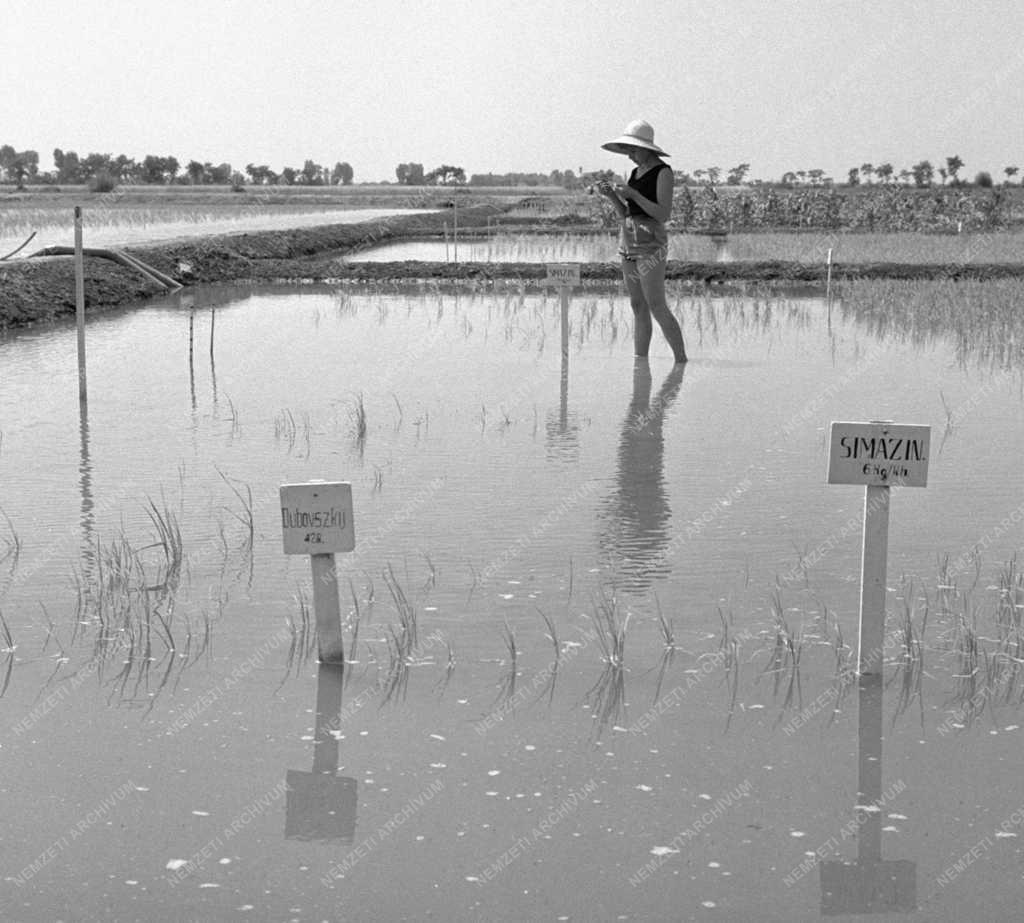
316,518
879,454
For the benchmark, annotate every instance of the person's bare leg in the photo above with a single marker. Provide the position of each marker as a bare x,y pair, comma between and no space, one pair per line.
651,275
643,328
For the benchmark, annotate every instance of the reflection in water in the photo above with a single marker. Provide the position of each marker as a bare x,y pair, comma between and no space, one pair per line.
637,515
88,519
871,884
321,805
563,432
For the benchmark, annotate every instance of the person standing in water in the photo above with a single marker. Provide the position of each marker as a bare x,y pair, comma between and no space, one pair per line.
644,204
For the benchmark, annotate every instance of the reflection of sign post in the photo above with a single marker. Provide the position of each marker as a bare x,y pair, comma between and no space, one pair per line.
871,884
564,276
877,455
321,805
316,519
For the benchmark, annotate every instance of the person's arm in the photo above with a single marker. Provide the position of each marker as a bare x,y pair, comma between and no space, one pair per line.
612,195
661,209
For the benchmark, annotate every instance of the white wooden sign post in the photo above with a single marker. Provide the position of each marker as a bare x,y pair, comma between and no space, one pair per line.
316,519
564,276
80,303
879,455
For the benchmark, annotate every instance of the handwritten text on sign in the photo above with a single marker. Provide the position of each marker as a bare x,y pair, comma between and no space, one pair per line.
562,274
316,518
879,454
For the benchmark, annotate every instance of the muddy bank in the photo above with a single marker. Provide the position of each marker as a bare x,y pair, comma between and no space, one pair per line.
42,288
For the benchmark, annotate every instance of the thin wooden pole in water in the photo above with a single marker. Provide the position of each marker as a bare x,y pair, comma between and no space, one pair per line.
446,241
327,608
455,230
872,580
828,283
213,320
563,291
80,302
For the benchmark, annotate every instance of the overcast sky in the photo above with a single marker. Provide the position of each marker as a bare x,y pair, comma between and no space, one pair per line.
518,85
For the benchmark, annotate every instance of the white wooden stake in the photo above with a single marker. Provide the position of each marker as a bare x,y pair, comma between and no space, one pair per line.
872,580
564,294
80,302
327,608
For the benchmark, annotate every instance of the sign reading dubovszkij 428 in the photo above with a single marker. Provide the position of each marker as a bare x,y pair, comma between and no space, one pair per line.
879,454
316,518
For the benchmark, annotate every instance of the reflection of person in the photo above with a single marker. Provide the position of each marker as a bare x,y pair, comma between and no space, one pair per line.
644,204
638,512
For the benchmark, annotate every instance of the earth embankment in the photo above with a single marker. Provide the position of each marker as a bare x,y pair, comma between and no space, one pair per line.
43,287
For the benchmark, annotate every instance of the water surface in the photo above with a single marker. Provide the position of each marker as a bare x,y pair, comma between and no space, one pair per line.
173,750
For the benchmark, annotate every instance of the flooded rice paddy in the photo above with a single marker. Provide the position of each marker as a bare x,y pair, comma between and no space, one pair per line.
601,615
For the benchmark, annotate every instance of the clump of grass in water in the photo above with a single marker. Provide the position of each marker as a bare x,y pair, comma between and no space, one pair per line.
357,416
611,630
785,655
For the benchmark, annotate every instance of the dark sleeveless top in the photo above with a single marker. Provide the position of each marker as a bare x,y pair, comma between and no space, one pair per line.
647,186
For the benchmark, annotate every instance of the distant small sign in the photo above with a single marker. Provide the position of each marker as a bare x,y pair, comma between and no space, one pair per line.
316,518
879,454
563,274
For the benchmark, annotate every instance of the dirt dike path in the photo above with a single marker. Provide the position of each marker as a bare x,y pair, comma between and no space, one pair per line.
43,288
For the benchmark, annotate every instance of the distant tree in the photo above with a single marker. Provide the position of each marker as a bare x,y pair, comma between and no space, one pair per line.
237,182
905,176
1010,172
713,174
815,176
261,174
446,175
345,172
884,172
682,177
788,178
853,176
953,165
410,174
983,179
866,171
922,173
736,174
311,174
287,176
698,175
221,174
69,169
196,171
124,167
802,174
18,165
943,174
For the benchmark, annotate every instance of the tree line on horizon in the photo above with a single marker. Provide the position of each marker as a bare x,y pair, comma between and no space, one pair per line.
103,172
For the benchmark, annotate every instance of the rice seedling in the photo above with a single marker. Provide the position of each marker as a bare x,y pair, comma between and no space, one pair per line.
432,575
169,540
406,612
245,517
285,428
398,422
611,629
552,636
12,547
666,627
357,418
302,631
5,631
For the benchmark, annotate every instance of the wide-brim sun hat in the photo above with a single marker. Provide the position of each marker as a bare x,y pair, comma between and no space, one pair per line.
636,134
